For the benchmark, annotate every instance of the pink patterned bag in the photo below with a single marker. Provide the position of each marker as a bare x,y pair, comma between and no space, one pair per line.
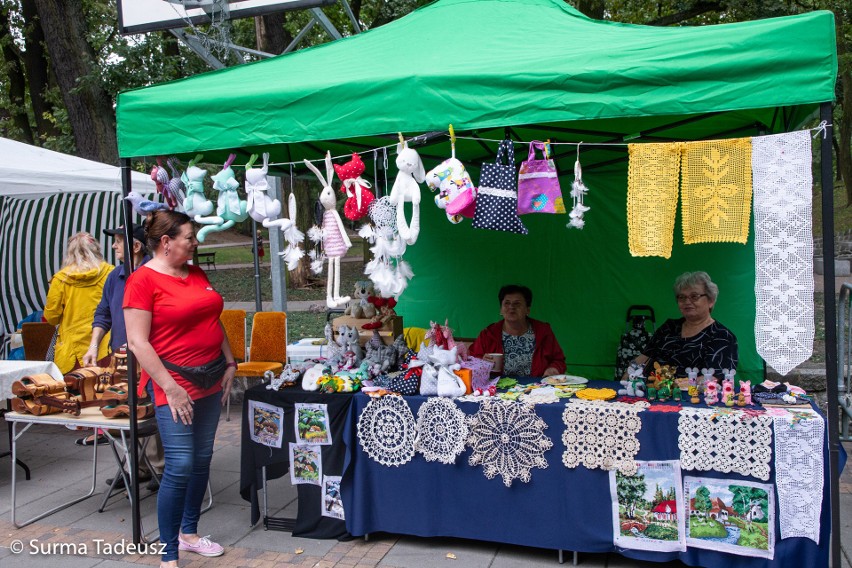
481,372
538,184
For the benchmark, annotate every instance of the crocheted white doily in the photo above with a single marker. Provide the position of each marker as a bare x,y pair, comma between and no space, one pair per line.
600,434
725,442
783,249
441,430
386,430
507,438
799,473
543,395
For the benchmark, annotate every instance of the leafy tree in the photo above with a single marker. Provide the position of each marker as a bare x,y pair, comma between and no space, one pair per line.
659,497
630,491
702,502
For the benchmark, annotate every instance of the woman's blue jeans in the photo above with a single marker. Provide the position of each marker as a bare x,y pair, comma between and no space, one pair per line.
188,451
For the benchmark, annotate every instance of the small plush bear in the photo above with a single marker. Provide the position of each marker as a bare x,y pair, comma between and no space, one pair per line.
360,307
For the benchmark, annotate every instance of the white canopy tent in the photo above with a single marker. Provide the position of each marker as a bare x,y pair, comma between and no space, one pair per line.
45,197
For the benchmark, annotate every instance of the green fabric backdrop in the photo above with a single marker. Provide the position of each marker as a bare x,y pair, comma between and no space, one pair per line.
583,281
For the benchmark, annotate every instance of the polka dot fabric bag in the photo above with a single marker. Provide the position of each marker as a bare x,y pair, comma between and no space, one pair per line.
497,201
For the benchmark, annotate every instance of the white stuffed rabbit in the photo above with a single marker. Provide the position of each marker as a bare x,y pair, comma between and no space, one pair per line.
261,207
335,241
406,188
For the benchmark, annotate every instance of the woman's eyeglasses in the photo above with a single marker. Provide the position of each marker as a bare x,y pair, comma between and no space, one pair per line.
681,298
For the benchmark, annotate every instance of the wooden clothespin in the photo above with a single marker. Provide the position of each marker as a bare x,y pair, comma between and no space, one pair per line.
401,139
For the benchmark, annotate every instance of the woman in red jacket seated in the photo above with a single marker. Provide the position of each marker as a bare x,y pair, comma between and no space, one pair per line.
528,346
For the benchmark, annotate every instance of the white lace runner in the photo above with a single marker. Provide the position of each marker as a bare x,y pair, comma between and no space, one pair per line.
799,473
386,430
783,249
601,434
441,430
725,442
507,438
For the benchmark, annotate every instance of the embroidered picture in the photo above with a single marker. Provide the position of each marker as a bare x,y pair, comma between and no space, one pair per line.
312,424
265,423
647,508
730,516
305,464
332,502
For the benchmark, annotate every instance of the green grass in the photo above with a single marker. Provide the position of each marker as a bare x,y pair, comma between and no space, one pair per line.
243,254
756,539
661,531
699,528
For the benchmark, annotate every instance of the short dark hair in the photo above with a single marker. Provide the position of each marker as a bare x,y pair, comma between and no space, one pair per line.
516,289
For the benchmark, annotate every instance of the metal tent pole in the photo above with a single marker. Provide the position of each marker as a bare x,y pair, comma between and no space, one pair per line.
827,183
131,360
258,304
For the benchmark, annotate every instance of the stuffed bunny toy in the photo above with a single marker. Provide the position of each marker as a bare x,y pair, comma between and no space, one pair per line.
335,241
260,206
196,203
161,179
357,189
175,185
406,189
231,209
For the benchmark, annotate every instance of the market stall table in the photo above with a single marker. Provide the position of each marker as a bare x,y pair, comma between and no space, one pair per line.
88,418
11,371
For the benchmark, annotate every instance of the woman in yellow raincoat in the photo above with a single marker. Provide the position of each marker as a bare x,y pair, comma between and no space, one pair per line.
72,298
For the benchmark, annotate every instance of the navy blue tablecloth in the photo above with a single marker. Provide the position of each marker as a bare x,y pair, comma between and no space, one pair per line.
560,508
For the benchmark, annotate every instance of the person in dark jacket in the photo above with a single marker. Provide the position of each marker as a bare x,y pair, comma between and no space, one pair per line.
528,346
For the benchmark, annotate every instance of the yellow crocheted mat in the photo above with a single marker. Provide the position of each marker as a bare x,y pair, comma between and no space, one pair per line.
652,187
716,191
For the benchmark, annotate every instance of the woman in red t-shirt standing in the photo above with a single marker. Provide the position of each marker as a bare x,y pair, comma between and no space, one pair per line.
172,317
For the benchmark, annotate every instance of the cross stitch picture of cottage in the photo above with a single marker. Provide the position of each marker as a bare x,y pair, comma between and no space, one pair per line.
265,423
647,508
734,517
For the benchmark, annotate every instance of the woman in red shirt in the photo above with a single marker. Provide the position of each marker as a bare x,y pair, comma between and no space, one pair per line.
529,346
172,317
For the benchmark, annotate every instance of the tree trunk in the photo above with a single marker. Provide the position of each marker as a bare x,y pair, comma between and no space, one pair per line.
844,156
89,106
301,277
270,32
17,83
171,51
38,70
591,8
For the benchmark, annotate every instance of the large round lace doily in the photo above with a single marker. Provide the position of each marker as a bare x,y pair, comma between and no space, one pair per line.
507,438
441,430
602,435
386,430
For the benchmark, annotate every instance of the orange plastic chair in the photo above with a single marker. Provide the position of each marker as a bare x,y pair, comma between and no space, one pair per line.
267,350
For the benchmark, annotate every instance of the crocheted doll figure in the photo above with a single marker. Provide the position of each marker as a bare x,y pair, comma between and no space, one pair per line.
728,392
335,241
357,189
196,203
231,209
745,392
260,206
406,189
711,392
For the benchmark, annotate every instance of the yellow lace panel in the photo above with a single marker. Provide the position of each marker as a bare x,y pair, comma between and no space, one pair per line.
716,191
652,186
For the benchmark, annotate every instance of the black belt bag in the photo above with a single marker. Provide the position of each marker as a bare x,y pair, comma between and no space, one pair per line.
202,376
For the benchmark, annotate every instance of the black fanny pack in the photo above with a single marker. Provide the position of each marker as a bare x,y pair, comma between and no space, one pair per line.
202,376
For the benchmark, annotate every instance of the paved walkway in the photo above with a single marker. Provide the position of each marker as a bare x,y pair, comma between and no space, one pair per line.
61,469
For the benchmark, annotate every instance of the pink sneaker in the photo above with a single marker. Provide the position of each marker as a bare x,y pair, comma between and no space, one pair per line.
204,547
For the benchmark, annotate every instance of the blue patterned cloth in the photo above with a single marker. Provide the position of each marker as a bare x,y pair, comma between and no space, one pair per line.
518,353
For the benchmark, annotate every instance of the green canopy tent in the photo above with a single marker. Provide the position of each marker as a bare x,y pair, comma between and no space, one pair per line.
530,69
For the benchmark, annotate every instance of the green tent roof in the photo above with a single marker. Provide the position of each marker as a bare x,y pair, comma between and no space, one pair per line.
483,64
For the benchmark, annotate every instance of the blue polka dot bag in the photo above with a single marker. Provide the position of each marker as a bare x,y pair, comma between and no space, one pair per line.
497,199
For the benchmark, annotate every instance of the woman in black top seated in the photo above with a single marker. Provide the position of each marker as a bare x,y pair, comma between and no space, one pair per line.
696,339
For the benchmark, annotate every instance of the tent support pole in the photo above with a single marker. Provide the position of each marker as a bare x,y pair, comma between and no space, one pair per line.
277,267
827,183
131,360
258,304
